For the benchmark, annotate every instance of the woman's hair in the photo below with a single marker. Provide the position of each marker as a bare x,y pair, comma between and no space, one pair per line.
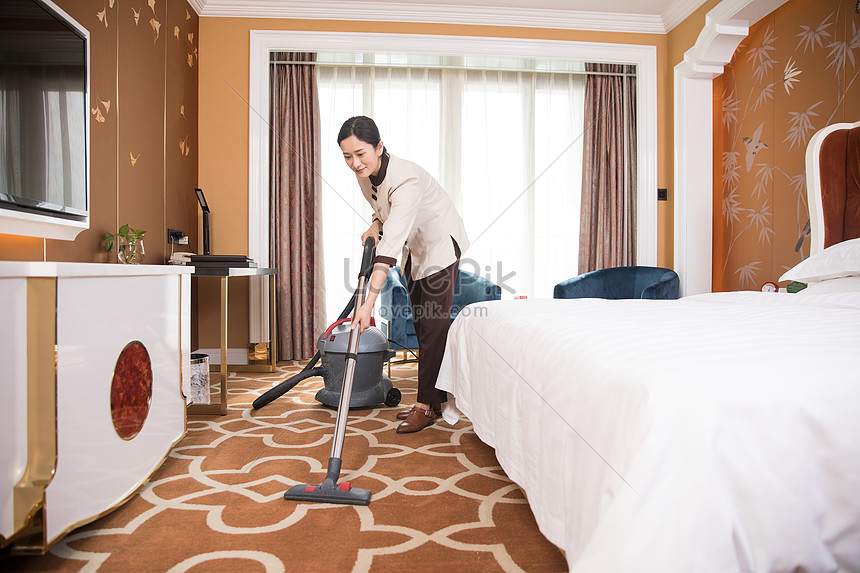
363,128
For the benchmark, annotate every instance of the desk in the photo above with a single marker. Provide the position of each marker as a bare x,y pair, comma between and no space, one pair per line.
225,273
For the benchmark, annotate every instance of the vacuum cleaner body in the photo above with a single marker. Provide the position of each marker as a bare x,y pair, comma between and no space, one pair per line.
370,386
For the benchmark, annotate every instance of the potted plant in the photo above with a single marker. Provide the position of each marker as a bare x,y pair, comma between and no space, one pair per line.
129,244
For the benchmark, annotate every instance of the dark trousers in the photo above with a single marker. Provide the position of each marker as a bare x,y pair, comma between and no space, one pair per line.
431,299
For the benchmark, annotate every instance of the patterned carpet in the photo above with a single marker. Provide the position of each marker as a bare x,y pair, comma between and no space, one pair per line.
440,501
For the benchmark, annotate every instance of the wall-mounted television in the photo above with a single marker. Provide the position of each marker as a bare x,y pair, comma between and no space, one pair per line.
44,120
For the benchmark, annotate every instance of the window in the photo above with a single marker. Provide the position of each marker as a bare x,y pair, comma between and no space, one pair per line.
504,141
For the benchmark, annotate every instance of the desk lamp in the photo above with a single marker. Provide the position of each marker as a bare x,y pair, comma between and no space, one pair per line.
205,208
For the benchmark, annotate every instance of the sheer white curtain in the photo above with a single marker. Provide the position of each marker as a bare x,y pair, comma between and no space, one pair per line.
505,145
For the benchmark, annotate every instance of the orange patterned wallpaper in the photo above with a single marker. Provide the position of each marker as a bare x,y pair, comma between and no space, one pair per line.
796,72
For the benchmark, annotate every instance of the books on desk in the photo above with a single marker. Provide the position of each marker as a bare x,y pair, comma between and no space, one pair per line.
223,261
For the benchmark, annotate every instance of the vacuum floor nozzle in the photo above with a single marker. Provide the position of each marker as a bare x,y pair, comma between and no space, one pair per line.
329,492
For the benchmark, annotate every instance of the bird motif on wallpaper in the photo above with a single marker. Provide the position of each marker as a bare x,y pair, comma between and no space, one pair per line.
176,32
136,16
97,112
133,158
803,234
102,16
754,145
154,22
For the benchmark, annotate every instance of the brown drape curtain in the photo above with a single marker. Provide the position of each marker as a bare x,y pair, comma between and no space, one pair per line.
607,234
295,242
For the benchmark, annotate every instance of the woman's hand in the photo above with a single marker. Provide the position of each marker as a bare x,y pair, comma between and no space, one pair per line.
372,231
361,318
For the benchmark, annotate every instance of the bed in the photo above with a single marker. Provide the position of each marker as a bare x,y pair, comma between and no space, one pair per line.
717,432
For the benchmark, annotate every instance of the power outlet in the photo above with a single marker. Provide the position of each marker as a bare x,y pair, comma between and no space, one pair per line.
176,237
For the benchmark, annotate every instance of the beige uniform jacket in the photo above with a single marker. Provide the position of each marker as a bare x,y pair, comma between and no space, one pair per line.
417,216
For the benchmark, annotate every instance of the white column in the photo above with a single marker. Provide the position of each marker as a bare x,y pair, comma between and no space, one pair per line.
693,182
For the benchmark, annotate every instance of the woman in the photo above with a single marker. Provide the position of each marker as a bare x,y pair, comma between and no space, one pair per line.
414,217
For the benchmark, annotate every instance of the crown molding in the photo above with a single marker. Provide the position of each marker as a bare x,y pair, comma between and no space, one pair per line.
679,11
434,13
197,5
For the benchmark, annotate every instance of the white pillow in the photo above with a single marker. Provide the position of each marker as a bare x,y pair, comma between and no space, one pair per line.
839,260
842,284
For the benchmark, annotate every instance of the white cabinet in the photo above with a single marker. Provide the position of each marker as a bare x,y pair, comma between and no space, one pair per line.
66,458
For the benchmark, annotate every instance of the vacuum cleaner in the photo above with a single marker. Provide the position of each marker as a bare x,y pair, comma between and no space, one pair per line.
329,491
330,346
370,387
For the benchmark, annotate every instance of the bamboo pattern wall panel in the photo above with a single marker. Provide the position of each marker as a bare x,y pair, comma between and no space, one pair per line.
795,73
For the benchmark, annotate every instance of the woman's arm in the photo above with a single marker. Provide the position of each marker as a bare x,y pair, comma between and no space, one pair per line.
372,231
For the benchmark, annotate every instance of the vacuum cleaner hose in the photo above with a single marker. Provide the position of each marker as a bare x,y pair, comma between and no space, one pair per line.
309,370
343,314
287,385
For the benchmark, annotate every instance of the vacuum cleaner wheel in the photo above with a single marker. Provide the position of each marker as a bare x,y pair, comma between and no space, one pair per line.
392,398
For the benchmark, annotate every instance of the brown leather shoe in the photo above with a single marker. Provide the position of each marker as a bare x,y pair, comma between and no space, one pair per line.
403,414
417,420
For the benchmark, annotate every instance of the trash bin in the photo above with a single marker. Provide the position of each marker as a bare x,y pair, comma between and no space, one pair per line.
200,379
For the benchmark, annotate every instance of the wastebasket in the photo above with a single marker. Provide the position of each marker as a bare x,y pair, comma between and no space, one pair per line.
200,379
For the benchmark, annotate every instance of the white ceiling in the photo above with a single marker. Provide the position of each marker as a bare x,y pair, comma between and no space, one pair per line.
646,16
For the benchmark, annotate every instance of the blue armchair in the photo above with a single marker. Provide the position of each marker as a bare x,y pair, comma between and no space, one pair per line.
395,307
621,282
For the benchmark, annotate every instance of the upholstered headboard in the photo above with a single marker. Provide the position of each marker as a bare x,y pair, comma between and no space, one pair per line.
833,185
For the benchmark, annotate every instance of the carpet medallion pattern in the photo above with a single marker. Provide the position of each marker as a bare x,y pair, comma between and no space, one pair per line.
440,501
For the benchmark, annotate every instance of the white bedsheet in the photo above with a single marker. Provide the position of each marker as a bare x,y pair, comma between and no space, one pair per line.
714,433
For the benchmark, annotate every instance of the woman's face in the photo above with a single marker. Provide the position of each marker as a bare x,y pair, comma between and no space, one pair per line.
361,156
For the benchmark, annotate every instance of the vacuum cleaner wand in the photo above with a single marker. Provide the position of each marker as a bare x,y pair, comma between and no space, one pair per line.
329,491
